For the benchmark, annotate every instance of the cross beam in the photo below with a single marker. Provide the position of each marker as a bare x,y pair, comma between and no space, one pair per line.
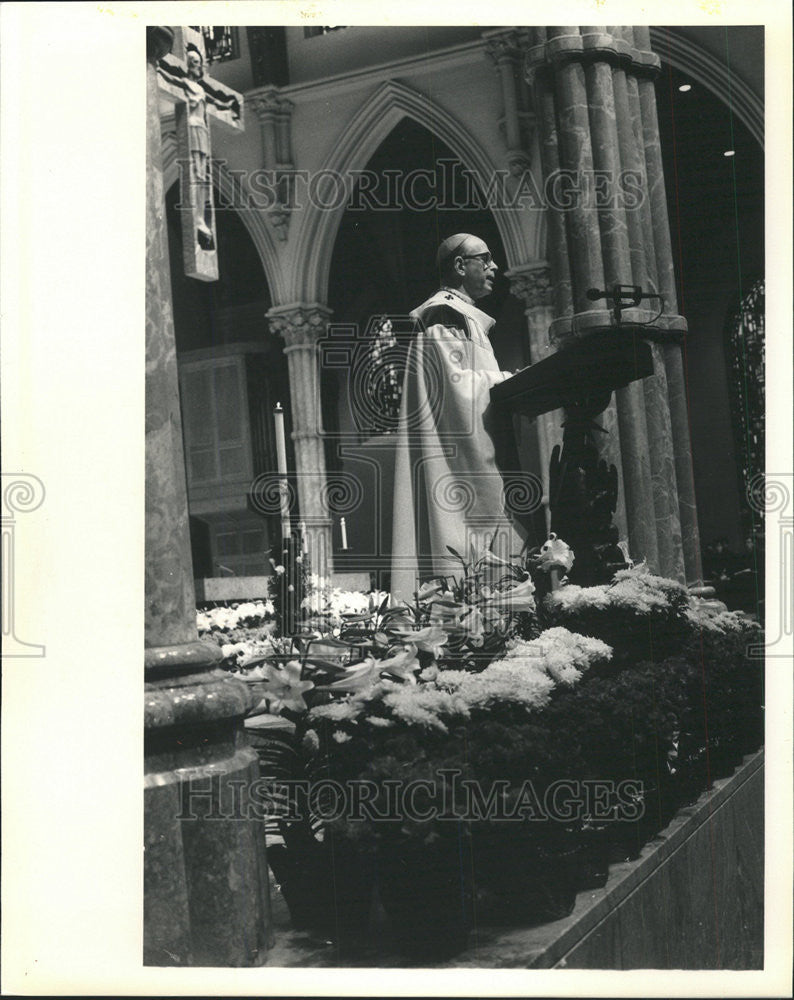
196,98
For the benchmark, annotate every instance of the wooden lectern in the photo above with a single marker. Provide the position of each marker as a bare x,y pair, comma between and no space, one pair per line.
583,489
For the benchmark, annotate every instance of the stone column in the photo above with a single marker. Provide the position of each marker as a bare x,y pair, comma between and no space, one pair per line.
504,49
302,326
266,107
673,360
205,882
274,114
632,418
597,127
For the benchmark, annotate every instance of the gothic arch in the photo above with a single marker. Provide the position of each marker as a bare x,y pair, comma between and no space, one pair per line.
253,220
369,127
686,55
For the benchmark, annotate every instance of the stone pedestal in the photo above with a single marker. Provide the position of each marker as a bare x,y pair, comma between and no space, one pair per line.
302,326
607,225
205,877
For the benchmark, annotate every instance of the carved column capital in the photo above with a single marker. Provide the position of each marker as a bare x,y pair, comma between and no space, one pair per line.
624,46
300,325
532,284
268,104
265,103
503,46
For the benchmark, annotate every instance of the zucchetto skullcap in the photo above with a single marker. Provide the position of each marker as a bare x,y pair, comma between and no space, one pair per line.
450,247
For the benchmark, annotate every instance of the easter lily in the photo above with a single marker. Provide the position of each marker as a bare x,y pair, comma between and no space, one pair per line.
518,598
555,554
284,687
430,639
402,664
357,676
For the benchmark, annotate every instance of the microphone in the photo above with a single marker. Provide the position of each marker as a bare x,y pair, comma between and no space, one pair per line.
622,296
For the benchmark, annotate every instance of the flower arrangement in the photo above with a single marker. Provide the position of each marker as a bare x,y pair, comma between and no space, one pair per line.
326,606
242,630
249,614
641,615
506,676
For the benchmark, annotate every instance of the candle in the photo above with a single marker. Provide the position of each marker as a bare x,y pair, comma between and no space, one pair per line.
344,532
304,542
281,460
281,444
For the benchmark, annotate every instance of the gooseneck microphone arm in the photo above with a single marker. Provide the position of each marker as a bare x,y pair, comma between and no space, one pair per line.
623,296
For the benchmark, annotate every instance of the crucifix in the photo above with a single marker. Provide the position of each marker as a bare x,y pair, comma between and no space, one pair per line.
196,97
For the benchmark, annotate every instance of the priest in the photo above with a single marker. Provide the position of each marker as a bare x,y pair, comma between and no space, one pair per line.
448,491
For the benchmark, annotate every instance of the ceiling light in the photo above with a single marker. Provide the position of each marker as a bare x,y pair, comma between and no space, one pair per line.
685,87
729,152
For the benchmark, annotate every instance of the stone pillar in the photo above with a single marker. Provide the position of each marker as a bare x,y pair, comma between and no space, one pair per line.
593,91
266,108
657,405
632,418
504,49
302,326
673,360
205,881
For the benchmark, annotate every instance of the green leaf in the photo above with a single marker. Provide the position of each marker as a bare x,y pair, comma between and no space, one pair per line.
331,642
457,555
317,661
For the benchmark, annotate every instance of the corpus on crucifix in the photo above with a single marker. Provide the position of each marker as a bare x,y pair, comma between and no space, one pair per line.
196,96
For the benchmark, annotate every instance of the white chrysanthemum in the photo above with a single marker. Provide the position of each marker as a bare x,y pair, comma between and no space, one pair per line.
565,655
518,680
422,705
338,711
378,721
240,650
714,617
634,590
225,619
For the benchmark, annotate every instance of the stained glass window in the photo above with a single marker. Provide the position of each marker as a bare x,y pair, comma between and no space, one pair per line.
745,356
220,43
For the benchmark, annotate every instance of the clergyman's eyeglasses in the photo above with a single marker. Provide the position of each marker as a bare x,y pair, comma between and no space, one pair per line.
486,257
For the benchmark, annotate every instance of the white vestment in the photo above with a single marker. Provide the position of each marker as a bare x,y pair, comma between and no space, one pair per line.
448,491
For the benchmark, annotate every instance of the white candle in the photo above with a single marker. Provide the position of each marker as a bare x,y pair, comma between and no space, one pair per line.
281,461
281,444
304,542
344,532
